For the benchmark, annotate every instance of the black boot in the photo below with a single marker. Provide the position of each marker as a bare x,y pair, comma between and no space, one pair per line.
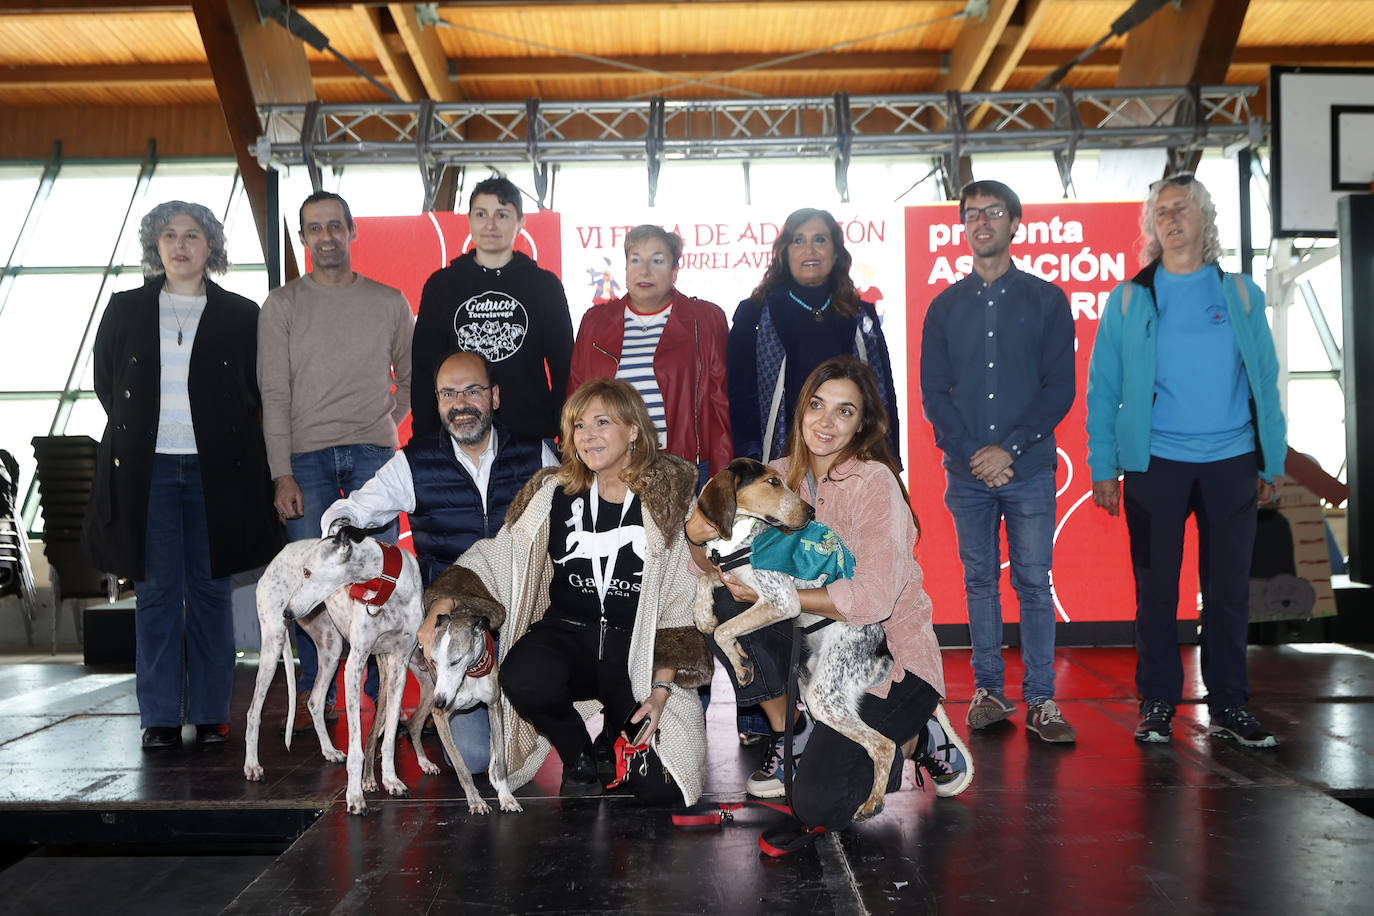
580,778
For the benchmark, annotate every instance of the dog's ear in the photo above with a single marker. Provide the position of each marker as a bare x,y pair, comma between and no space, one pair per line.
356,535
717,501
480,623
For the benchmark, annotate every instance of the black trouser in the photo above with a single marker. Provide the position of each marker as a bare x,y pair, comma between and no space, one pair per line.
835,775
555,664
1157,502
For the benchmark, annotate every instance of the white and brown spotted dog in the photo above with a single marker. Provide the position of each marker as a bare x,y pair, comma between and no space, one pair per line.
844,661
310,573
457,644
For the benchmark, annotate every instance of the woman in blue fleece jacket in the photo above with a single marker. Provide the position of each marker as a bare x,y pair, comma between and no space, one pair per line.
1183,398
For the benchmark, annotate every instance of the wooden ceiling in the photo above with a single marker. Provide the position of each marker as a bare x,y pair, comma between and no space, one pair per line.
65,54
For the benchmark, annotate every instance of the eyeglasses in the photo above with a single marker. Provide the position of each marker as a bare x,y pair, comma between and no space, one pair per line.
971,214
470,393
1182,180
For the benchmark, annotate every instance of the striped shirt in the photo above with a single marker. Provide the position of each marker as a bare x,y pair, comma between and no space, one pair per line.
637,363
177,319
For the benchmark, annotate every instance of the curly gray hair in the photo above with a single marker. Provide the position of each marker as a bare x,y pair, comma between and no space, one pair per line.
1197,192
157,219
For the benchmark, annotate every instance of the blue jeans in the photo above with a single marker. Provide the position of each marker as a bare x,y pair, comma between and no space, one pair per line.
1027,505
184,620
323,476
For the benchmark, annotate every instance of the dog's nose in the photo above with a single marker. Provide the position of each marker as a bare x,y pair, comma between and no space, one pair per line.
287,615
440,702
810,512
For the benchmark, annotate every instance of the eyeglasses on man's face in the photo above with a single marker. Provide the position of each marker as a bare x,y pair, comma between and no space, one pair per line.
971,214
470,393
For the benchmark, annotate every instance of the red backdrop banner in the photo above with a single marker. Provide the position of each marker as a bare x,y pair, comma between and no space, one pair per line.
1086,249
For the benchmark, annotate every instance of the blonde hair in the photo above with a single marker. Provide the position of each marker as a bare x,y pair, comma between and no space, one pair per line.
1198,194
624,404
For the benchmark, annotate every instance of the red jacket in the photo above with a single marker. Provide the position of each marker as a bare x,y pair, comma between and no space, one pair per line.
689,365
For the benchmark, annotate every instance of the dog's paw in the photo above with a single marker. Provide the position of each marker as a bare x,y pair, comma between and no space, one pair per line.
356,803
744,670
333,755
478,806
869,809
369,784
252,773
396,787
429,766
509,804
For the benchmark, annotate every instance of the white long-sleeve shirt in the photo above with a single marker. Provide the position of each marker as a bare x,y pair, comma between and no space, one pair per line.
391,490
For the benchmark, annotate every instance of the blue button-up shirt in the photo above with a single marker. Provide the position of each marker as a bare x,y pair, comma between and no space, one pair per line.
997,368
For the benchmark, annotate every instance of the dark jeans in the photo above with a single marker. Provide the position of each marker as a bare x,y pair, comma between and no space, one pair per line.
323,476
835,775
1157,501
768,648
183,622
553,665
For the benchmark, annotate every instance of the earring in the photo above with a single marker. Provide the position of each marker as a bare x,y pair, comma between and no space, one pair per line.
633,448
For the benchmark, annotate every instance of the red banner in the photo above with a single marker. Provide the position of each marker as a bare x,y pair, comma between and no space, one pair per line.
1086,249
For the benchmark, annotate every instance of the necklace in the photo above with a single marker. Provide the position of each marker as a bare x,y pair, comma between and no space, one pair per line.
177,316
815,312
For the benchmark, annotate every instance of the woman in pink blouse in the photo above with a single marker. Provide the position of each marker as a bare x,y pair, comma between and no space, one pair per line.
837,457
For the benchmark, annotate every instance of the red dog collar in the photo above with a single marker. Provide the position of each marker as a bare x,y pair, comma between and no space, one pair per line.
376,592
482,667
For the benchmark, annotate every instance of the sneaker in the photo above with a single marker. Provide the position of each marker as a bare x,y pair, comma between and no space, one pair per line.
788,837
945,757
770,779
1047,721
988,707
1239,724
1154,727
158,736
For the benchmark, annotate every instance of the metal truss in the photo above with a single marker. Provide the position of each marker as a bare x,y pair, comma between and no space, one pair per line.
839,127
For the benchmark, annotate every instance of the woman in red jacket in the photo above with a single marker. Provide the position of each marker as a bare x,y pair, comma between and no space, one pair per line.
670,347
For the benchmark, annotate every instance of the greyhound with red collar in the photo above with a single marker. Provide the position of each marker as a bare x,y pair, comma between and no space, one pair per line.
371,596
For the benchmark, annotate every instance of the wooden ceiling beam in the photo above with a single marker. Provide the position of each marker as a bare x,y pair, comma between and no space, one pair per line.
381,33
426,53
1178,45
253,63
1007,55
973,47
1258,55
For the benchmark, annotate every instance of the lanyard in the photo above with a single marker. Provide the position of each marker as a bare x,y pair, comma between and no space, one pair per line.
602,576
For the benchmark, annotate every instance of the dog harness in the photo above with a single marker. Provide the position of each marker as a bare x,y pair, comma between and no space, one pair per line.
376,592
482,667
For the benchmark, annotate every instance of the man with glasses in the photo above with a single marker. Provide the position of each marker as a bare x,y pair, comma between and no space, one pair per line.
330,346
997,376
455,485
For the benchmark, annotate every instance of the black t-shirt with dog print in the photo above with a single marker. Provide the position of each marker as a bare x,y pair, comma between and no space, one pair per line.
574,544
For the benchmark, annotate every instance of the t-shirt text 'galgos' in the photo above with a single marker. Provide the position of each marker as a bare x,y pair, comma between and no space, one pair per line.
491,323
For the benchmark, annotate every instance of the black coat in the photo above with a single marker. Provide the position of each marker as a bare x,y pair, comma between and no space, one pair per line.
226,413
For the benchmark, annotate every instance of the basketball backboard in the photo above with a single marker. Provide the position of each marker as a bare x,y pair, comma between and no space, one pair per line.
1322,122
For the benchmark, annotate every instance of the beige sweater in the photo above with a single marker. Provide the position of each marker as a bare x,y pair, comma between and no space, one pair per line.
325,367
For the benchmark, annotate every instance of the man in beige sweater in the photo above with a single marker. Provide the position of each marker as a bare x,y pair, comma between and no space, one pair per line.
330,346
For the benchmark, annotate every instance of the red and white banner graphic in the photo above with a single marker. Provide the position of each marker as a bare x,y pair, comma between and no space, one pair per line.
1086,249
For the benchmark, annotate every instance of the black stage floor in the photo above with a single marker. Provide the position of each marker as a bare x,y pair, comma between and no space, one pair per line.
92,824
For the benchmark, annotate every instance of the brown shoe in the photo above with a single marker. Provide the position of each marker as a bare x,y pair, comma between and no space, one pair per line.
304,723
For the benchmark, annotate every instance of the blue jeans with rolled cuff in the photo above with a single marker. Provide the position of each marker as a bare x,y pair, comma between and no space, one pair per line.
184,621
323,476
1027,506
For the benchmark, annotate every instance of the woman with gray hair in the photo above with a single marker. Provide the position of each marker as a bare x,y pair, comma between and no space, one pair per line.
670,347
1183,398
182,497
